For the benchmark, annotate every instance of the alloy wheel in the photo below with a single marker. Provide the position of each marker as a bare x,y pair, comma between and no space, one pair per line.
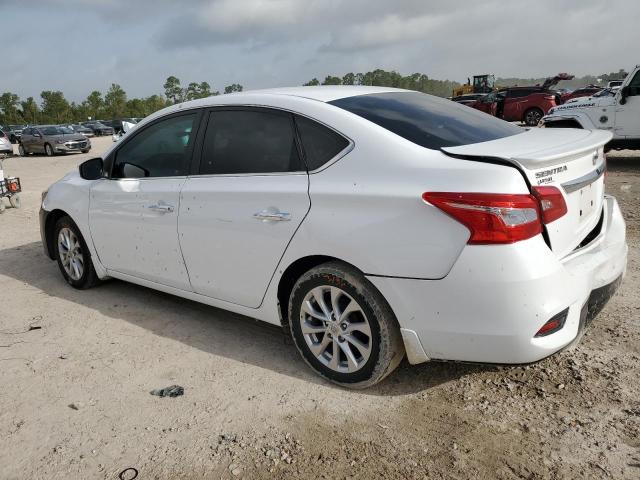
336,329
70,252
533,117
48,150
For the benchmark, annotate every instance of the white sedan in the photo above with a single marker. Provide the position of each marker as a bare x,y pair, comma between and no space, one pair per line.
370,222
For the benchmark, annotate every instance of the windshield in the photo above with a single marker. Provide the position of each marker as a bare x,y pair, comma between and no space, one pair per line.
428,121
57,130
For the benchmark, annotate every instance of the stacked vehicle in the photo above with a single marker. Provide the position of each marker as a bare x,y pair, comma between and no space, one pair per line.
613,110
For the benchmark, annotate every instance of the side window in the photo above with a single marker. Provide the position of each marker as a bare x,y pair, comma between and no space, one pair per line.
160,150
634,85
249,141
519,93
320,143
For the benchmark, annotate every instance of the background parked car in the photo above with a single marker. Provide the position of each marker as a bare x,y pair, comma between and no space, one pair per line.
52,139
5,144
581,92
11,132
117,124
523,104
81,129
16,133
99,128
615,83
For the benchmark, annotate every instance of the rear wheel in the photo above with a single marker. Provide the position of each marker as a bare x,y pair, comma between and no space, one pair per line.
343,327
533,116
48,150
22,151
72,254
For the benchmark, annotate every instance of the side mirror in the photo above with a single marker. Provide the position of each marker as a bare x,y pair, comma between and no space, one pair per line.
624,93
91,169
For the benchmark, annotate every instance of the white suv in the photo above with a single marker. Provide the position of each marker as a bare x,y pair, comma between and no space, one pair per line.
616,110
369,222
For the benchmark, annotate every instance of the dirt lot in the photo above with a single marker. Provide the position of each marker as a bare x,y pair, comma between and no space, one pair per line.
75,402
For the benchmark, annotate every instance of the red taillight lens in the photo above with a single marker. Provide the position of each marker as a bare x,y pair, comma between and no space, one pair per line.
555,324
552,204
491,217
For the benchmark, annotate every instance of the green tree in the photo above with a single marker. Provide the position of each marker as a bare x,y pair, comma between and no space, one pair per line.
55,108
9,108
349,79
329,80
95,104
172,89
312,83
115,101
234,87
153,104
30,110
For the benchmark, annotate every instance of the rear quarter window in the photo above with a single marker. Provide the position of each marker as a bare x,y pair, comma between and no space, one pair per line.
428,121
319,143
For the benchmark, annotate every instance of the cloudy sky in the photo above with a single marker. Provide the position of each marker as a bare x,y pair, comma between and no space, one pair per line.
80,45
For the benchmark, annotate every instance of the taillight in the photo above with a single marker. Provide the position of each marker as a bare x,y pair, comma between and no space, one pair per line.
552,204
491,217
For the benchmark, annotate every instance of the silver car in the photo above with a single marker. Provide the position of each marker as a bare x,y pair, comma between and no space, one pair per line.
51,140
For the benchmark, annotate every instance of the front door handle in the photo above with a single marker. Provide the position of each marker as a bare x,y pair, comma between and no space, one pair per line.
273,216
161,207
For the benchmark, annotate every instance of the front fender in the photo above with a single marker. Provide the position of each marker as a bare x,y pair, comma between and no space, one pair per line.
71,195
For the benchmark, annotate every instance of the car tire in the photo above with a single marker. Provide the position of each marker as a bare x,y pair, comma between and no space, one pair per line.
14,201
532,117
72,255
22,151
364,332
48,150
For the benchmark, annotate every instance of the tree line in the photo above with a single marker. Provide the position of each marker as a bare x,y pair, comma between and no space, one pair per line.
114,103
54,108
383,78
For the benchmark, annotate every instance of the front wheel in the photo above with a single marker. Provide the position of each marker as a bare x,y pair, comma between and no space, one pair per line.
72,254
48,150
532,117
343,327
22,151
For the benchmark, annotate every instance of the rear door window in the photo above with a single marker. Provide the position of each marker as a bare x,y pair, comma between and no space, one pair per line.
249,141
320,144
428,121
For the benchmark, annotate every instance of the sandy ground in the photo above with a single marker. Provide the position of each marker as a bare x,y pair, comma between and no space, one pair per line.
75,402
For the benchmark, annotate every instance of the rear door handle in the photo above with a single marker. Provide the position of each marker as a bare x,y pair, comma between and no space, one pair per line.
268,215
161,207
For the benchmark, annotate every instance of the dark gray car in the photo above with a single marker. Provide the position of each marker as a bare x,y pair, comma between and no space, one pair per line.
52,139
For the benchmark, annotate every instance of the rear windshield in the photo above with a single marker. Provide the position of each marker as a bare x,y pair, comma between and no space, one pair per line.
428,121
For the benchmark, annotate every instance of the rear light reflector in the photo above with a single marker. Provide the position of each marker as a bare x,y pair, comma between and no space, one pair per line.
552,326
552,204
492,218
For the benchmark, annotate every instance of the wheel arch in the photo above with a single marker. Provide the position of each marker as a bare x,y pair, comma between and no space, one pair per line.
292,273
49,226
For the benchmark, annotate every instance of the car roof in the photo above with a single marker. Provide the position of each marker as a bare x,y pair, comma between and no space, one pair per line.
322,93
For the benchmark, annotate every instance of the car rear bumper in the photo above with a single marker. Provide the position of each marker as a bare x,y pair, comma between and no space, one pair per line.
496,298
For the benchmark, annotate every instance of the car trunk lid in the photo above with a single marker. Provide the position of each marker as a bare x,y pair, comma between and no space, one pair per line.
571,160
